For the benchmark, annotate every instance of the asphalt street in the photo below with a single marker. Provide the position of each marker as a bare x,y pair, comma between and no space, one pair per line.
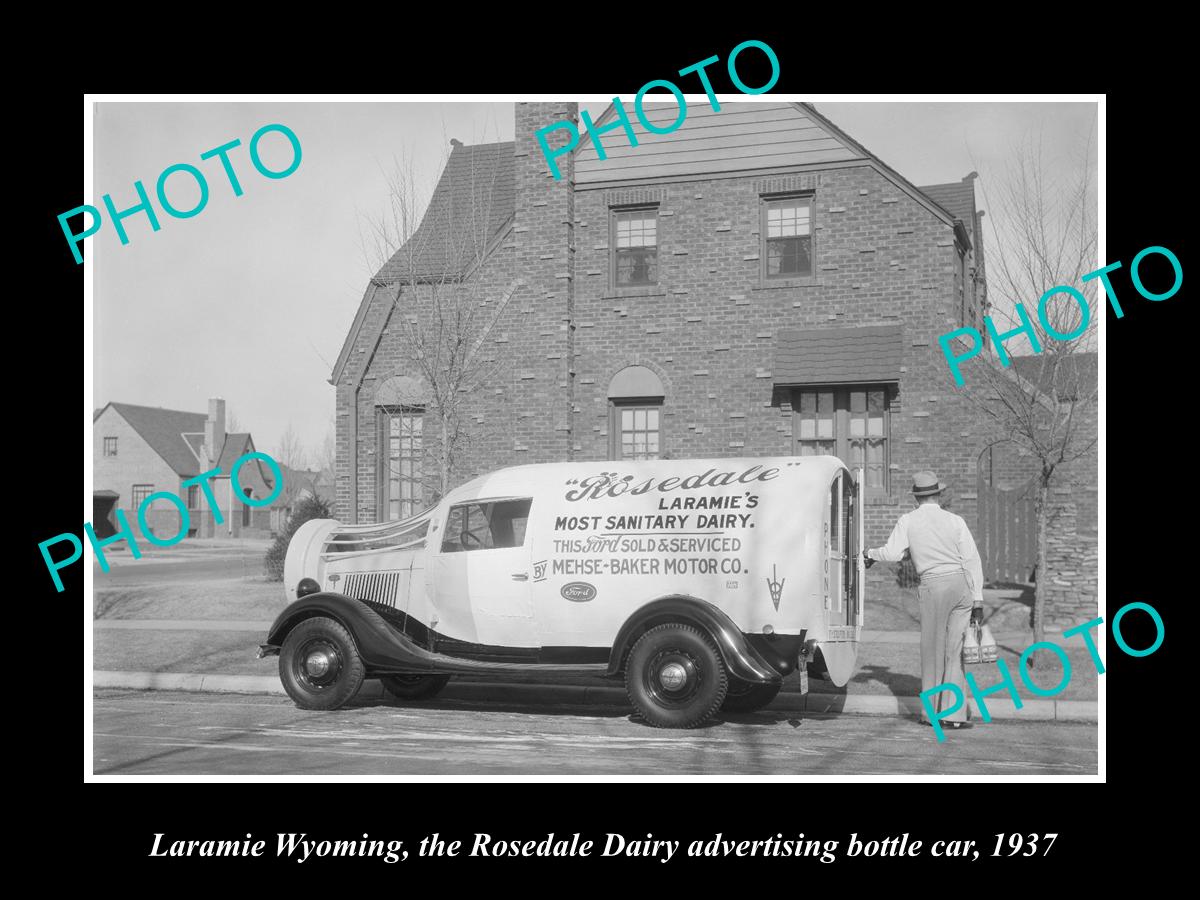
170,733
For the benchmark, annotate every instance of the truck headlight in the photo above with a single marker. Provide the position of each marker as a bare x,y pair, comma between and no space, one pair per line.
307,586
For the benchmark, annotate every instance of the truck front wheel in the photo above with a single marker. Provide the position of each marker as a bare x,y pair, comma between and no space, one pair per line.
319,665
675,677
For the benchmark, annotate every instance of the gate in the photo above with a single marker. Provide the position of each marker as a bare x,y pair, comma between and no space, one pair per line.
1007,533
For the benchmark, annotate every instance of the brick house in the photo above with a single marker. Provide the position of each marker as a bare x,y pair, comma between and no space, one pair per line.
754,283
141,450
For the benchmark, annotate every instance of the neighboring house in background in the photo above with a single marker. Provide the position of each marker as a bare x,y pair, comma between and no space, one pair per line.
142,450
298,484
754,283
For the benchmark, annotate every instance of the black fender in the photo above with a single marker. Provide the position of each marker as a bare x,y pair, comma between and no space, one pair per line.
740,657
379,644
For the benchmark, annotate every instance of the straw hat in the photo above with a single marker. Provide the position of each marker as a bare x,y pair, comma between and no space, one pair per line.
926,484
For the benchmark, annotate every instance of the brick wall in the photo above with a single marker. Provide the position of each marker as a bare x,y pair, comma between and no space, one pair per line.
707,328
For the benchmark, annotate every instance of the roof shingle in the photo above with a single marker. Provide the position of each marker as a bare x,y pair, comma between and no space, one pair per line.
957,198
475,196
867,354
163,430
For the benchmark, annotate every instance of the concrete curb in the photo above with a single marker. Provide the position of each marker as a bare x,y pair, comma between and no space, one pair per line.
603,695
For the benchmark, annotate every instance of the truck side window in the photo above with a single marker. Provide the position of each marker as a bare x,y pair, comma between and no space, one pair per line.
486,526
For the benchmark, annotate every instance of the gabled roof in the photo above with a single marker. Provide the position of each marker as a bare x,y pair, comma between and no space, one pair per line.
163,430
236,445
195,442
474,198
957,198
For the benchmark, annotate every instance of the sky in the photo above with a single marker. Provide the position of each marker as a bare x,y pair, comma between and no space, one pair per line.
251,298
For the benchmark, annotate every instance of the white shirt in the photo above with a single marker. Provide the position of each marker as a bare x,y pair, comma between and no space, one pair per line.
939,543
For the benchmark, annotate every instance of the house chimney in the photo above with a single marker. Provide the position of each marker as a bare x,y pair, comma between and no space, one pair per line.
214,430
544,244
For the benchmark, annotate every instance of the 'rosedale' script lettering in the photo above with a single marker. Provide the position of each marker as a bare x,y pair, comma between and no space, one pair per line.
608,484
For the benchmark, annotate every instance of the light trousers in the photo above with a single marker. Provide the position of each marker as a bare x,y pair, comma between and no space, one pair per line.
945,613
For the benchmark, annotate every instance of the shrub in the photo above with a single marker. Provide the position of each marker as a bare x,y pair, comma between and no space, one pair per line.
307,508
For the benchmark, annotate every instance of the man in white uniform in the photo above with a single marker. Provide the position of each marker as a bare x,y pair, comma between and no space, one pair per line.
951,592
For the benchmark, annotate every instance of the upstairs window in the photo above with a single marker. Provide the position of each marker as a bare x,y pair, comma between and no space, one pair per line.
110,446
787,237
635,247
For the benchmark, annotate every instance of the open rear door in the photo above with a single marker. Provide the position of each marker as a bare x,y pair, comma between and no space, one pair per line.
845,579
859,594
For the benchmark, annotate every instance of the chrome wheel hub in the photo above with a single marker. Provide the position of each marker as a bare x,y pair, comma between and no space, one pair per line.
673,676
318,663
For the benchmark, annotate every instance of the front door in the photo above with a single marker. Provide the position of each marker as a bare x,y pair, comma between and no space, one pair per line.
482,589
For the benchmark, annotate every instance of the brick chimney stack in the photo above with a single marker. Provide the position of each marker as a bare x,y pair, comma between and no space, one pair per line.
544,240
214,431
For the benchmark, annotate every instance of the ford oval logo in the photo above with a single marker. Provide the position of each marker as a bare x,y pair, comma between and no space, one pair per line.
578,592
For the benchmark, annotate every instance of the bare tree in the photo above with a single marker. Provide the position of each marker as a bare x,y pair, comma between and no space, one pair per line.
289,450
1043,236
233,423
423,256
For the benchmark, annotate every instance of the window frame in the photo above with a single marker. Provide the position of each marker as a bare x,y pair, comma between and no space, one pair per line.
614,214
134,492
617,405
383,474
488,506
106,446
841,423
765,203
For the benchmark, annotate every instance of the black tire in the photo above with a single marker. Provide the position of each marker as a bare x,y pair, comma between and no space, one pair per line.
747,696
319,665
414,687
676,651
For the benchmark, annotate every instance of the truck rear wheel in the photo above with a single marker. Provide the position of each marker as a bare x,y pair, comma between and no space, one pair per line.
319,665
747,696
675,677
414,687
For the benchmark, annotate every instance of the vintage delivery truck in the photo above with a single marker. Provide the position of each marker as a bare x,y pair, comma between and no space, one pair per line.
701,582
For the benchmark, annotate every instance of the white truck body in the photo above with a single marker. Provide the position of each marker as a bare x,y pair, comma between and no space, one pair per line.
557,558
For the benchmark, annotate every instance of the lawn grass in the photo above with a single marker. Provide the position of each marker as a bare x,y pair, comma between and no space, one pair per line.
237,599
204,652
